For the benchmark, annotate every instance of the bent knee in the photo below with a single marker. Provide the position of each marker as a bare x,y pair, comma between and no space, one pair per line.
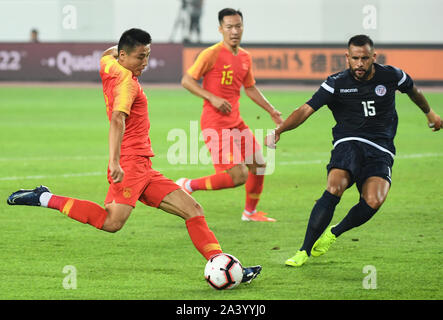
112,226
193,211
336,190
197,209
374,202
239,174
258,169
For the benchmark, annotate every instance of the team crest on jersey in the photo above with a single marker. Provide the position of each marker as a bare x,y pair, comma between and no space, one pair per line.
127,193
380,90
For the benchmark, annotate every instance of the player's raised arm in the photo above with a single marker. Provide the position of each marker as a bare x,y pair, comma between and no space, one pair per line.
293,121
256,95
111,51
434,120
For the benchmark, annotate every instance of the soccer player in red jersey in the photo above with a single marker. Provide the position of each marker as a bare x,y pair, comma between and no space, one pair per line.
130,174
236,155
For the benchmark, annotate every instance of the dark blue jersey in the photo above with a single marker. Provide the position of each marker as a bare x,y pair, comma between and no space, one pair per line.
364,110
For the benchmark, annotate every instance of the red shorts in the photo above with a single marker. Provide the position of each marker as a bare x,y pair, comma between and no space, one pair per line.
230,147
140,182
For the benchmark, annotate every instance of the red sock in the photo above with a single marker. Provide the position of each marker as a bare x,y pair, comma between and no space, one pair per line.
254,188
202,237
80,210
217,181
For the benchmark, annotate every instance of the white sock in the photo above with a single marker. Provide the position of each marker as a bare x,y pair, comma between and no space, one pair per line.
249,213
44,199
188,186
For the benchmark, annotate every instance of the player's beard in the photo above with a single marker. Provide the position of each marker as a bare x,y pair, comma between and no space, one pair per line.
235,42
364,76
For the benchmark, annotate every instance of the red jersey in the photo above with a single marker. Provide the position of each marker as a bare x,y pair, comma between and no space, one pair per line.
123,92
223,75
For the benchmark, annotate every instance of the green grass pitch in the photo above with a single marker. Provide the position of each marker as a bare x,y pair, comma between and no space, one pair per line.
58,137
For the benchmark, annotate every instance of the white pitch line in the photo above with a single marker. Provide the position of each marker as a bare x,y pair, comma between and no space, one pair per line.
183,167
419,155
56,158
65,175
300,162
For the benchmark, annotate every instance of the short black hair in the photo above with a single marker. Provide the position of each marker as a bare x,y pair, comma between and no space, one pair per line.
228,12
360,40
133,38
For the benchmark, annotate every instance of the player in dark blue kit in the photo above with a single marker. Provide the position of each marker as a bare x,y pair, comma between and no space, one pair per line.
362,101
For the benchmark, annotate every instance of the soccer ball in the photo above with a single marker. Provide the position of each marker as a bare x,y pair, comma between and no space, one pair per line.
223,271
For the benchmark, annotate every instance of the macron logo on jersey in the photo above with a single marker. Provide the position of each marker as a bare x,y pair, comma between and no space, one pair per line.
352,90
330,89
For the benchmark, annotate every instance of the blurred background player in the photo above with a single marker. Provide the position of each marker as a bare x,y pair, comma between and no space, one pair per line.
34,36
362,101
188,21
130,174
236,155
196,8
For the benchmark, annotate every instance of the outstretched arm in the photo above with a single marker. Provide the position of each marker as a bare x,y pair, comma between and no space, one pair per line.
293,121
434,120
255,95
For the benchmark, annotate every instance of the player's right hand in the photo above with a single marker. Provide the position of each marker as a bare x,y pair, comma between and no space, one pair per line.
221,104
434,121
272,139
116,172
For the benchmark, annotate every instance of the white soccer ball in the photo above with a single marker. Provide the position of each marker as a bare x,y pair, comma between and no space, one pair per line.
223,271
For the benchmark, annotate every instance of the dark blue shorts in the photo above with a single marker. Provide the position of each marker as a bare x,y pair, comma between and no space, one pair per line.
362,161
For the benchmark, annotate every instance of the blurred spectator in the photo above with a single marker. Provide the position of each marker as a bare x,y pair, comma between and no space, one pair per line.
180,21
34,36
195,12
188,20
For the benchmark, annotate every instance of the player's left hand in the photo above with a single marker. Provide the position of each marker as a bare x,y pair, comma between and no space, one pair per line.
276,117
434,121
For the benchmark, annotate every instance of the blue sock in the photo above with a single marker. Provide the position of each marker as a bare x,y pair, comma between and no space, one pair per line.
321,216
359,214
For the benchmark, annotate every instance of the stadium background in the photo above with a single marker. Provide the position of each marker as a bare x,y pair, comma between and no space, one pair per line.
290,41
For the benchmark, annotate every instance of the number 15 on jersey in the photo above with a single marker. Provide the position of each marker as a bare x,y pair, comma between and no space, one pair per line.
368,108
227,77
